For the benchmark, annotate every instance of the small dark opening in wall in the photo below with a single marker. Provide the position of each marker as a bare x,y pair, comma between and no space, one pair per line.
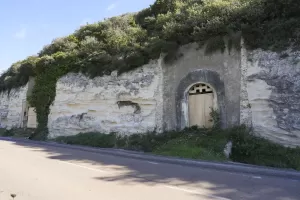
136,106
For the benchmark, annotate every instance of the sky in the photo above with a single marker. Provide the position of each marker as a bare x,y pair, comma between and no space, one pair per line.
28,25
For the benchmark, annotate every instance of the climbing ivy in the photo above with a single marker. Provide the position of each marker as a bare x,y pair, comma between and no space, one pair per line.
48,70
126,42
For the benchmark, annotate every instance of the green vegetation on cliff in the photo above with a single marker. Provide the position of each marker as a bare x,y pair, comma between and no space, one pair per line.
126,42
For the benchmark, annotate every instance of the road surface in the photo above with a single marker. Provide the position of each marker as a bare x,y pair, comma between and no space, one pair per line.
35,172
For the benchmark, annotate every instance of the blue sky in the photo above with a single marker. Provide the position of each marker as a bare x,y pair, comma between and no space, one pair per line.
28,25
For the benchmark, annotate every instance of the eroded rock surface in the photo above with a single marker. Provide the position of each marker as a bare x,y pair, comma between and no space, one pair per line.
273,88
129,103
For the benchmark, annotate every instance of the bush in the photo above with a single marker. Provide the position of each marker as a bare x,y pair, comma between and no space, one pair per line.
16,132
5,133
90,139
251,149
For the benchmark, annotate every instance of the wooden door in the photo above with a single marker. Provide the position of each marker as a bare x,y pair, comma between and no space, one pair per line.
200,103
32,118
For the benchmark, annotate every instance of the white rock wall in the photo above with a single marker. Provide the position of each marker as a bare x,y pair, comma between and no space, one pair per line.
270,95
126,104
245,107
11,110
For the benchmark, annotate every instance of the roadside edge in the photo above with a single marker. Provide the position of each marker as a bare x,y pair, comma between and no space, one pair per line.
226,166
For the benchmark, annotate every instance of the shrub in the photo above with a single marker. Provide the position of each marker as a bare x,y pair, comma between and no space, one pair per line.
251,149
5,133
16,132
90,139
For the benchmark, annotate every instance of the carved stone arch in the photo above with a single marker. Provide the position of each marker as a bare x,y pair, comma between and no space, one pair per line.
209,77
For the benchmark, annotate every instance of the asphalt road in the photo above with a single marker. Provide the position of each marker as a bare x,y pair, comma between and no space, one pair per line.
35,172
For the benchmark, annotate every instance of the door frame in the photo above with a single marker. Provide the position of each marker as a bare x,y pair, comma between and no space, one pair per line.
206,76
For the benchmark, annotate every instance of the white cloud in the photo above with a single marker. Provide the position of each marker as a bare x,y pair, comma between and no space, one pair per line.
21,34
111,6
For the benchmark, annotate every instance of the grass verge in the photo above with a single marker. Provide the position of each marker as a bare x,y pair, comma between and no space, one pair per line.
259,151
17,133
199,144
189,143
192,143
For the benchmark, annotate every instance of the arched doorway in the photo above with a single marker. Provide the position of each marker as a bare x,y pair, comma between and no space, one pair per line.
207,77
201,101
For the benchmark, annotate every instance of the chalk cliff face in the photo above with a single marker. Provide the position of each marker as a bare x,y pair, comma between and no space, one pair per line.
11,107
271,95
129,103
261,89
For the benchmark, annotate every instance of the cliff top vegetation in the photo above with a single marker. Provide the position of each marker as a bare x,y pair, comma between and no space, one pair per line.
125,42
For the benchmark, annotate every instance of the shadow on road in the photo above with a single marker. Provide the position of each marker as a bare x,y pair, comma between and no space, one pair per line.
132,171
